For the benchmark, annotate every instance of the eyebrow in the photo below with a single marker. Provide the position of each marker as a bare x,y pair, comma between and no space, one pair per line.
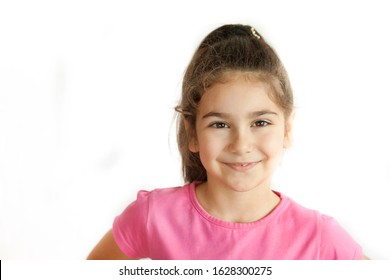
250,115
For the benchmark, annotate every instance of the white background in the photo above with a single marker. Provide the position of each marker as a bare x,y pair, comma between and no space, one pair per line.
87,91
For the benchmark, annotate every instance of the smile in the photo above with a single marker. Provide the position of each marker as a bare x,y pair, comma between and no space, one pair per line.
241,166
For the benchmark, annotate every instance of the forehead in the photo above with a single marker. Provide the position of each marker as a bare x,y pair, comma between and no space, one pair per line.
238,95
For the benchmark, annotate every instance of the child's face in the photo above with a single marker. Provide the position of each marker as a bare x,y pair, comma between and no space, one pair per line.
240,134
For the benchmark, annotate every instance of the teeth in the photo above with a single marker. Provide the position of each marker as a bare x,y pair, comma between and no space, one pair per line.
242,164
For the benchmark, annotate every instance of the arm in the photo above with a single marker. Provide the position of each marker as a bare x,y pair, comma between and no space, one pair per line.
107,249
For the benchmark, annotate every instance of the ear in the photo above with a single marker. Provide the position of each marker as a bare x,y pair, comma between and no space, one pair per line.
191,136
288,131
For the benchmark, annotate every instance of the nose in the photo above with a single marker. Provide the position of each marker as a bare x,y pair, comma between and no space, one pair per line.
241,142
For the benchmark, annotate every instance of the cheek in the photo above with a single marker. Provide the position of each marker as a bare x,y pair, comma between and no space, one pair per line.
208,144
211,146
206,153
272,143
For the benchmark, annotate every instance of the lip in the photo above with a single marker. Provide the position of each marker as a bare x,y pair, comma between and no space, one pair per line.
241,166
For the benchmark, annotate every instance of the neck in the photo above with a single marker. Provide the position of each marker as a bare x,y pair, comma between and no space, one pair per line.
234,206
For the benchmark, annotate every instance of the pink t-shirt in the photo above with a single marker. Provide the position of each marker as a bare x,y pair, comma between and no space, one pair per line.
171,224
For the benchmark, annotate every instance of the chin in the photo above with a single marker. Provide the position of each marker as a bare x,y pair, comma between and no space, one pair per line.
240,186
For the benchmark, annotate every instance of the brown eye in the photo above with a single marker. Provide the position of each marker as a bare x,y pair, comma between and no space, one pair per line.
219,125
261,123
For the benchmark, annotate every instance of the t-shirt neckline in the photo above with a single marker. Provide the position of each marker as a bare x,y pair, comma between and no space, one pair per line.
271,216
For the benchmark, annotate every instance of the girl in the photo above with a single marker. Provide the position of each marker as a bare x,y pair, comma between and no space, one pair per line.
236,114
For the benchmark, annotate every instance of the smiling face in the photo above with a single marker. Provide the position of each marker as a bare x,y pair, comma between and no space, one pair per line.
240,134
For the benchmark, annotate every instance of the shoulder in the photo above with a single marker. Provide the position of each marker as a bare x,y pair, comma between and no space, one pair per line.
333,240
297,214
164,196
131,229
336,242
156,200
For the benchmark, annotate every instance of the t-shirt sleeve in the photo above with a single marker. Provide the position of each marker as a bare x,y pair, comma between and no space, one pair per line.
336,243
130,228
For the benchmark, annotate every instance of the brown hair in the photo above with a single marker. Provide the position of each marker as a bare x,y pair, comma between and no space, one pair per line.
227,49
